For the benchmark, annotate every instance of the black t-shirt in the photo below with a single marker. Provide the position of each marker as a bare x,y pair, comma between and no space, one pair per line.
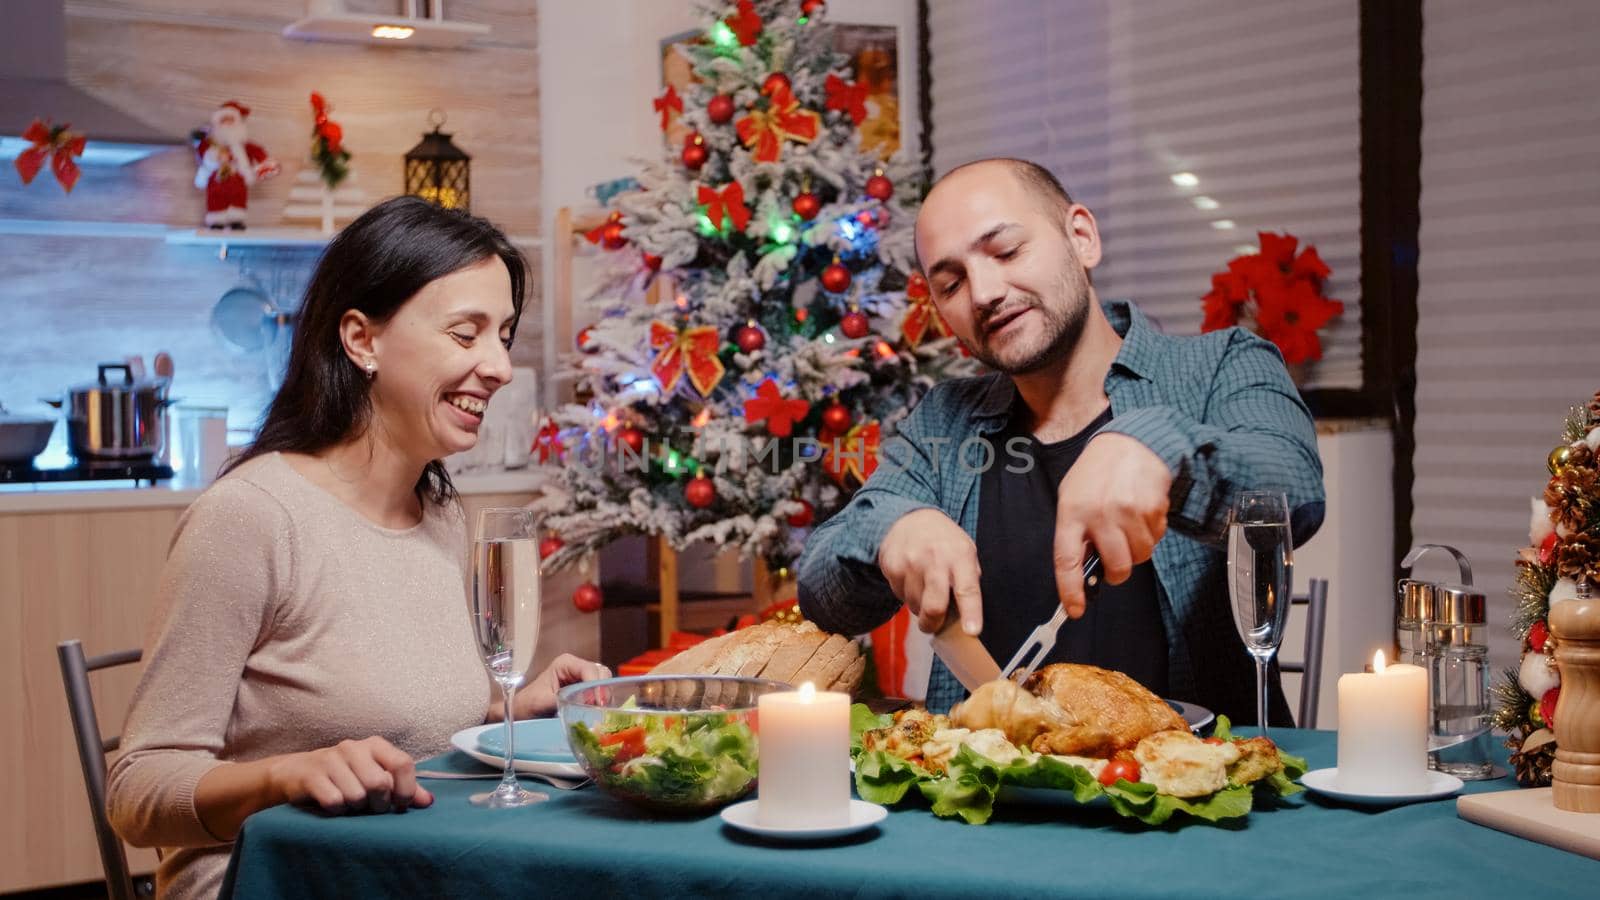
1121,628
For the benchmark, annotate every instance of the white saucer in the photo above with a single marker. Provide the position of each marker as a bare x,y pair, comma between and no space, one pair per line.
863,815
1435,785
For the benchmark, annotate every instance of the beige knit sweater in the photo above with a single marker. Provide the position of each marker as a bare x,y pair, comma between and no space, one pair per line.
288,622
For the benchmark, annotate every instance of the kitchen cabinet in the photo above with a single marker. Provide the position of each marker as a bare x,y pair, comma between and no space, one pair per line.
86,565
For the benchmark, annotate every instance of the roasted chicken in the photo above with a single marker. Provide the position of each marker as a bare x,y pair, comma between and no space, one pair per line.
1070,709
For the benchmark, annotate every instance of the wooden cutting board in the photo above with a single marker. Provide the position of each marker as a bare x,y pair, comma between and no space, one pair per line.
1532,813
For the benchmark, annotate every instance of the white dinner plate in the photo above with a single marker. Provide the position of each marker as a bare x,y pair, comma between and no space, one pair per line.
466,740
863,815
539,740
1196,715
1434,786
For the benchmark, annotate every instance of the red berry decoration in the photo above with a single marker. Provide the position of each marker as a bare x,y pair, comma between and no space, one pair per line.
652,262
855,325
611,236
700,492
720,109
836,278
811,7
632,438
549,546
694,152
836,418
806,206
587,598
1547,707
802,518
750,338
1547,549
1537,635
773,82
880,188
583,339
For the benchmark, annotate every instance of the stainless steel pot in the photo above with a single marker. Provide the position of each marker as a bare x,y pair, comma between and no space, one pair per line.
116,418
23,437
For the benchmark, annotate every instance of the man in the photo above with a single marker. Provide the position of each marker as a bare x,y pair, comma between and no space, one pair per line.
1102,433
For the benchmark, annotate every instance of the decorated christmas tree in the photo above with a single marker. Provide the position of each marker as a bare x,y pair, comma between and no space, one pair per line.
762,326
1563,563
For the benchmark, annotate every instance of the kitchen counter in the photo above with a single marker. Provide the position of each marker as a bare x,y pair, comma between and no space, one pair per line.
82,496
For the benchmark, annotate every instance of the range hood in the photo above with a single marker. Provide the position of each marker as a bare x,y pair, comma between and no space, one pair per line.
33,84
418,23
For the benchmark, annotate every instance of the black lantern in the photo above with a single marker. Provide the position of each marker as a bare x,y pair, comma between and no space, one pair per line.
438,171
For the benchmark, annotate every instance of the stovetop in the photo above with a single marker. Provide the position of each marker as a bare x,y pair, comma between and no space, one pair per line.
99,470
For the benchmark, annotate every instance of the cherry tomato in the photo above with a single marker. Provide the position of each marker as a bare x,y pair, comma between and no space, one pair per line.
1124,769
1214,740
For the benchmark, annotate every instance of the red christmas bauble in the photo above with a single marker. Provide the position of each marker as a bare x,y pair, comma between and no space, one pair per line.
587,598
611,236
582,340
802,518
652,262
1547,706
1547,549
855,325
700,492
836,278
750,338
549,546
864,219
773,82
806,206
836,418
812,7
632,438
720,109
1537,635
880,188
695,153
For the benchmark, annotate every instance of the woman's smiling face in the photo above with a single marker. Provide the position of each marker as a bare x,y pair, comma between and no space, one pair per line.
440,358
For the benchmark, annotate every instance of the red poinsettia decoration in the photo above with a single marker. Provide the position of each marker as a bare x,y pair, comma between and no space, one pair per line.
327,144
1276,294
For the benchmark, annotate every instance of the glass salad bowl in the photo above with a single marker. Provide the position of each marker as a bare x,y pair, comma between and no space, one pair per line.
671,743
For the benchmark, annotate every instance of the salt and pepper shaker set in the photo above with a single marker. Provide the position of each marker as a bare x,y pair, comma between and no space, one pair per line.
1441,628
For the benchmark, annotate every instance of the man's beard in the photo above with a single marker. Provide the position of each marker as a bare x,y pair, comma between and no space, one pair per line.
1060,332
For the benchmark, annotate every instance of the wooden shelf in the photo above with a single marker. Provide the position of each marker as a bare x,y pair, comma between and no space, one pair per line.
190,237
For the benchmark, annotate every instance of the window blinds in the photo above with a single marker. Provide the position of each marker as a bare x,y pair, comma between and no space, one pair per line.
1508,306
1257,100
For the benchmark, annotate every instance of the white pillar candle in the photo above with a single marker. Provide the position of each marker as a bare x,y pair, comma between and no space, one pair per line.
1383,729
805,759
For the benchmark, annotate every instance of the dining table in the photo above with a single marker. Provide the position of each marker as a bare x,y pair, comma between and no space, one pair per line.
585,843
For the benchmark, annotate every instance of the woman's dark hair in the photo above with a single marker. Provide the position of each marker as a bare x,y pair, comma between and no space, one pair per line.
374,265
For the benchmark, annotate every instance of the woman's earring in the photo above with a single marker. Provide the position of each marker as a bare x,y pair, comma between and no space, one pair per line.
372,368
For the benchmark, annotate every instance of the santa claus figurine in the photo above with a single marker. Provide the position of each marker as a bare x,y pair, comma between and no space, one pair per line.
229,165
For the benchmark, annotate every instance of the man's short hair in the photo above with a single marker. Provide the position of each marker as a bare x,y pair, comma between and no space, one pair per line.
1038,181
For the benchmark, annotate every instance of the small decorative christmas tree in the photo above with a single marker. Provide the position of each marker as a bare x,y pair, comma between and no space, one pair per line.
749,402
1563,563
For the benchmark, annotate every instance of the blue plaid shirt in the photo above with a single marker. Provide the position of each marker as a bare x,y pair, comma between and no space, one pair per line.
1220,411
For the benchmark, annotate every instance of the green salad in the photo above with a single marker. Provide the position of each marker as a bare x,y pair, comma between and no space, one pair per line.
969,785
678,761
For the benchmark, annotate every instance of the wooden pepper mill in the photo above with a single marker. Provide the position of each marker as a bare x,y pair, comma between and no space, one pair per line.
1575,624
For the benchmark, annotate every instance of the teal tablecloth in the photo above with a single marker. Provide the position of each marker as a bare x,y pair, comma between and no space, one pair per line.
583,843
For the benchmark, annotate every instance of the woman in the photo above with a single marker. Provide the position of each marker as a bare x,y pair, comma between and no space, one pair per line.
313,636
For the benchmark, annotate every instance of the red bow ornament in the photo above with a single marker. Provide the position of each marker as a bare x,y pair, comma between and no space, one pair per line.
691,349
847,97
548,442
666,104
764,131
729,201
857,453
745,23
779,413
921,314
56,144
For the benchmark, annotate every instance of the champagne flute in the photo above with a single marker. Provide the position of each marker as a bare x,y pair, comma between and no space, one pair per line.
1260,567
505,620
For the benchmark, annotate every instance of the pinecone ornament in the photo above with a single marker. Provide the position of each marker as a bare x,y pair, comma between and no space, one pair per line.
1572,495
1578,557
1532,755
